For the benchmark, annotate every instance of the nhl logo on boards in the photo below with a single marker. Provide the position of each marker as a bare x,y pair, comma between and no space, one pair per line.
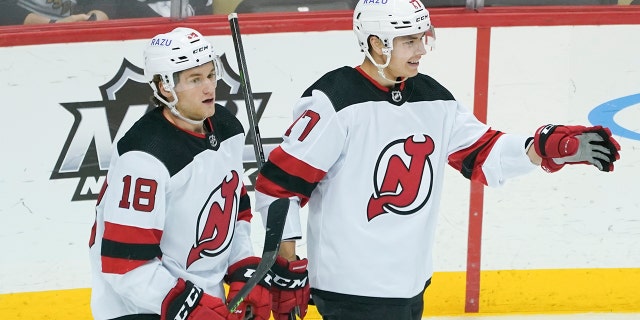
85,155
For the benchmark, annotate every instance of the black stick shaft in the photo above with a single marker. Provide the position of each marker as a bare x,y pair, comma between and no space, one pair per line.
269,254
278,209
246,90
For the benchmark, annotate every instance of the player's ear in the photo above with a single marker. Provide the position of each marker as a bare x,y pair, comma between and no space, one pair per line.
375,44
163,88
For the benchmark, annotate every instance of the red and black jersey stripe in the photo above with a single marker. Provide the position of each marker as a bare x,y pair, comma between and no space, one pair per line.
125,248
284,174
469,160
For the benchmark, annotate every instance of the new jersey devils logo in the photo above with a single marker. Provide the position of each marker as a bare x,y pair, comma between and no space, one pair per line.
216,221
403,177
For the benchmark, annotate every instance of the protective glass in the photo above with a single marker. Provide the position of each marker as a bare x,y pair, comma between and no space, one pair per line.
197,81
188,82
430,38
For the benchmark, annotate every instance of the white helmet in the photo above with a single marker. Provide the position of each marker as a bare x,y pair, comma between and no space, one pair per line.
178,50
388,19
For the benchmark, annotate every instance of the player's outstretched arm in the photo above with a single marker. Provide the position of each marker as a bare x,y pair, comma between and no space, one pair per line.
557,145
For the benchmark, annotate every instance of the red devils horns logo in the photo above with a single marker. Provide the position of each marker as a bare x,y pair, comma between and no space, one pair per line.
416,4
216,221
403,177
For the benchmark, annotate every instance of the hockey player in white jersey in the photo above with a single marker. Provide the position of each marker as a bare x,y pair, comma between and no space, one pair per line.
173,218
367,153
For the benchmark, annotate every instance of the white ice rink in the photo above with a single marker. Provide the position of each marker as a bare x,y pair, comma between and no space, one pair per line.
582,316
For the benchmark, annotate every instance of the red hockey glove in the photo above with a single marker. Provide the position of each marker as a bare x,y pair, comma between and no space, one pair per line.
289,288
259,299
187,301
559,145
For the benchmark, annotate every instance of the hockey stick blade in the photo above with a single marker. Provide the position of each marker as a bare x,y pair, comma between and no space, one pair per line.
276,217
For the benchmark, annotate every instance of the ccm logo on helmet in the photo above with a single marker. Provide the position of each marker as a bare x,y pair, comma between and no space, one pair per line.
200,49
160,42
418,19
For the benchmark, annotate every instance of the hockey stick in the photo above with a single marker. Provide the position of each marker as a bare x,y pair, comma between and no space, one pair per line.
277,212
275,224
246,89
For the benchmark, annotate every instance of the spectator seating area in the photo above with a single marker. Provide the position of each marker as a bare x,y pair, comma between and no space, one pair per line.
247,6
14,12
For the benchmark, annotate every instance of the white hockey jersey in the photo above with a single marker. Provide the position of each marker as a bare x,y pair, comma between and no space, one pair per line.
369,162
173,206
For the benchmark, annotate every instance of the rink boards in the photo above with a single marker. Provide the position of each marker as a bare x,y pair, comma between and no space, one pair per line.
565,242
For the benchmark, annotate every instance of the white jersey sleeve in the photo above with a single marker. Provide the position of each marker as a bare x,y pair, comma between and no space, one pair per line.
507,159
312,144
485,155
